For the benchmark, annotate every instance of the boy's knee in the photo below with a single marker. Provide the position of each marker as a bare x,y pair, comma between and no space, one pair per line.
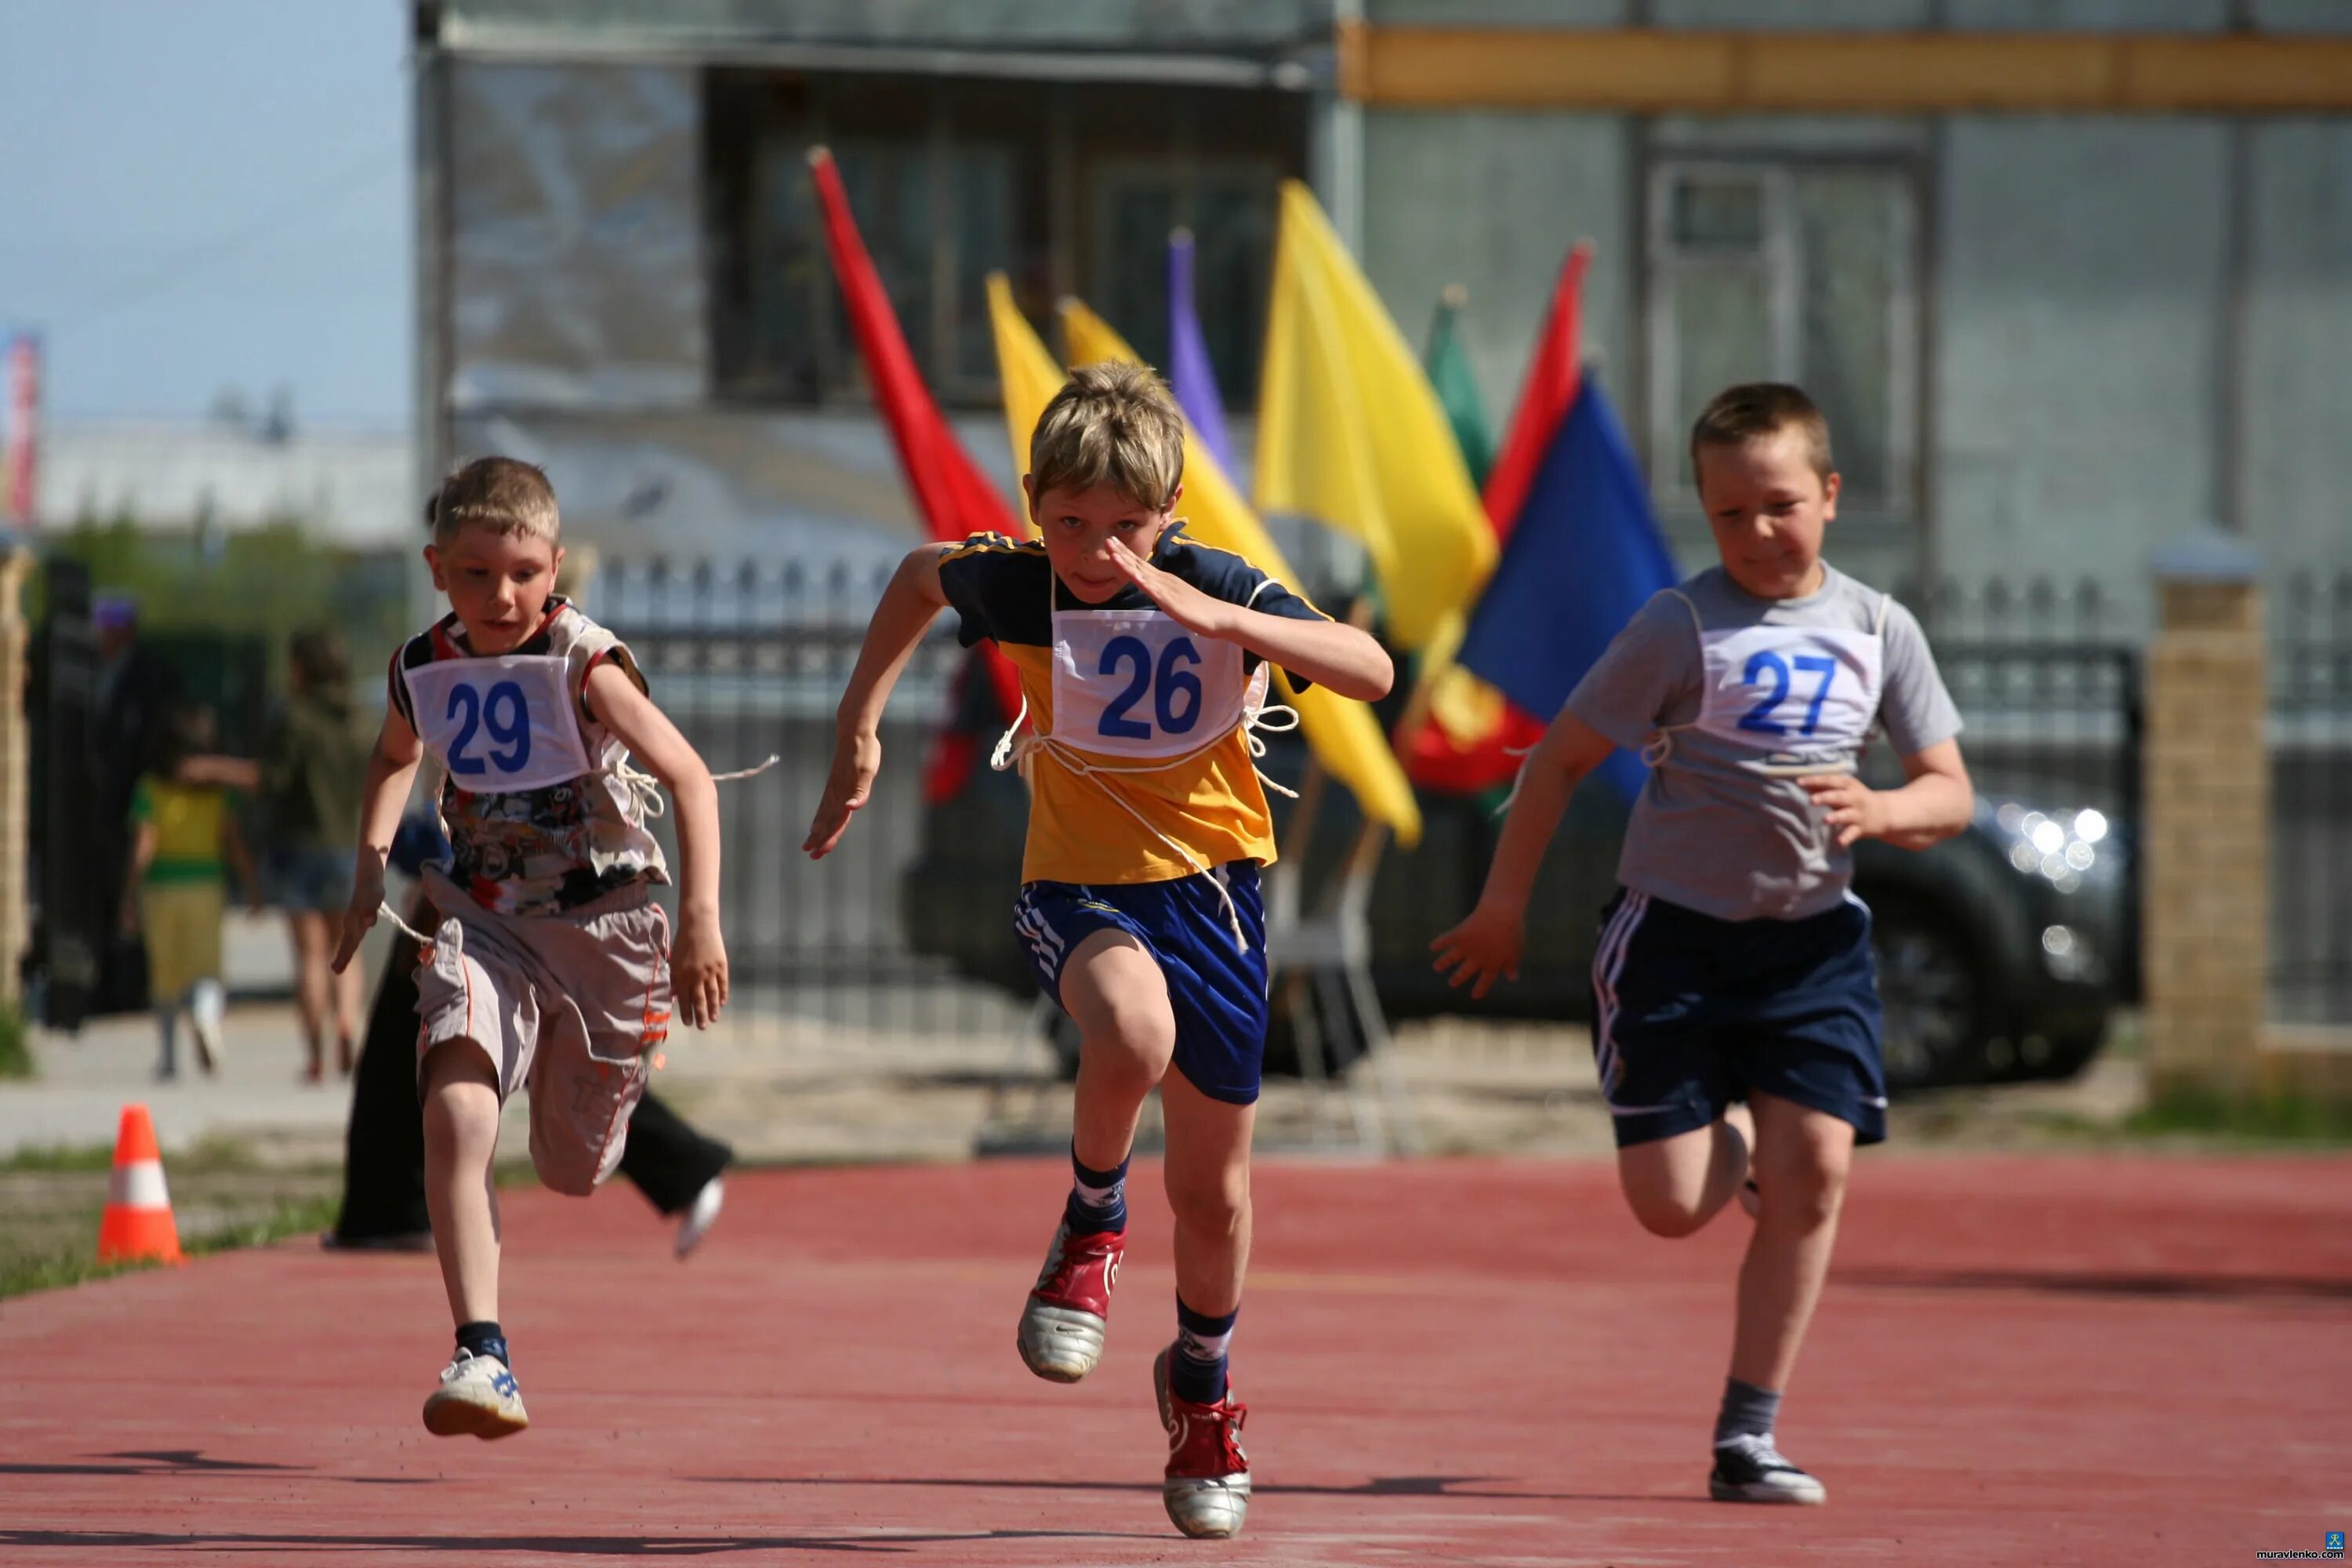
1134,1041
1806,1192
1216,1205
1662,1214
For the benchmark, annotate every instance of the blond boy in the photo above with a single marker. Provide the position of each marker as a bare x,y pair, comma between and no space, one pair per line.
552,966
1142,656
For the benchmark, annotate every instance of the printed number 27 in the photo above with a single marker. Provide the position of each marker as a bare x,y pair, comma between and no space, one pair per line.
505,713
1769,664
1172,684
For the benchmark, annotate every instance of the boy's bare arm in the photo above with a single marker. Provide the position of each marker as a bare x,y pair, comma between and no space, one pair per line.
1936,803
1488,944
908,605
383,795
1343,660
241,860
143,855
697,963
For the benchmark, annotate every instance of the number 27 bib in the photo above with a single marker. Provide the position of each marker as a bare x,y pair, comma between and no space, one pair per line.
501,725
1805,696
1135,683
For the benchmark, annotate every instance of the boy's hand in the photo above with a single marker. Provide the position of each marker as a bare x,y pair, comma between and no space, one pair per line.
856,758
1482,949
1186,606
359,917
1850,807
697,969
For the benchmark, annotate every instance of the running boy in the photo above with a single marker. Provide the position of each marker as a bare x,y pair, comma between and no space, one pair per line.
1734,962
1141,658
552,966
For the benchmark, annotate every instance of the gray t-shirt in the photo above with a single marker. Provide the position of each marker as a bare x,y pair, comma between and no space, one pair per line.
1732,699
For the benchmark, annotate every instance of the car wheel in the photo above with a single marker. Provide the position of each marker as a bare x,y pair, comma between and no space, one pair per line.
1935,993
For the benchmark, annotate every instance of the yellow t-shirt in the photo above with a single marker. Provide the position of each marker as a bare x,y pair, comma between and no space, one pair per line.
190,821
1150,713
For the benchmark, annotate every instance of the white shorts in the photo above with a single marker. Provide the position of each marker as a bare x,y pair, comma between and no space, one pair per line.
570,1007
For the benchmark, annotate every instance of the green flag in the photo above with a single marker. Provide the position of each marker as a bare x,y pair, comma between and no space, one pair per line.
1448,364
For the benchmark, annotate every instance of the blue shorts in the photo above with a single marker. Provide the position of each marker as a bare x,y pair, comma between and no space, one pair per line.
308,877
1217,988
1691,1013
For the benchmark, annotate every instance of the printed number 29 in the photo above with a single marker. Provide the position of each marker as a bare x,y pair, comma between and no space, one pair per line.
1769,665
504,713
1170,684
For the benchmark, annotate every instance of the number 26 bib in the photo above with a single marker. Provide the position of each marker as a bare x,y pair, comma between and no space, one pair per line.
1135,683
499,725
1802,696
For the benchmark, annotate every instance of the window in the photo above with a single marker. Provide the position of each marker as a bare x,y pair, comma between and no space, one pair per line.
1064,187
1787,271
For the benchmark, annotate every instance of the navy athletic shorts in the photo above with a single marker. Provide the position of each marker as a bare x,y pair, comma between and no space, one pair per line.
1217,986
1691,1013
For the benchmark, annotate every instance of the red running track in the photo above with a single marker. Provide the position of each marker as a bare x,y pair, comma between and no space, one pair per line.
2078,1361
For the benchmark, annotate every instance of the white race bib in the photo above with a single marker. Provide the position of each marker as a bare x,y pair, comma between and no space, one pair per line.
1803,696
501,725
1135,683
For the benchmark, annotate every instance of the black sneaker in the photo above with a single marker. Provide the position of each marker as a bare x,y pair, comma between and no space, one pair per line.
1751,1469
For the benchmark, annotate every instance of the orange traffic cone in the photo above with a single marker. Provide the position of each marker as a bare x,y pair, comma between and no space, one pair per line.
137,1226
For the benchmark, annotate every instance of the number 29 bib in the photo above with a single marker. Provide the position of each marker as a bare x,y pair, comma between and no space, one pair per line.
1135,683
501,725
1802,697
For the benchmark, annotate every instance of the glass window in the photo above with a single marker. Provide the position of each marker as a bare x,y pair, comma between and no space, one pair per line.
1786,271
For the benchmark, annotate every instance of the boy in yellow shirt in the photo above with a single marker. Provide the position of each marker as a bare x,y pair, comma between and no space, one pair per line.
1143,660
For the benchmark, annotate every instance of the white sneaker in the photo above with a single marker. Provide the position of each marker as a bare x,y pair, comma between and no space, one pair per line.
1751,1469
701,1216
478,1394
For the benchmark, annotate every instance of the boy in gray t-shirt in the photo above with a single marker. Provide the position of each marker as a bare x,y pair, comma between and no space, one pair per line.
1735,1002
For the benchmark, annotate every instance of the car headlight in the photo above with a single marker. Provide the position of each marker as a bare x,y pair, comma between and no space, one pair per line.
2064,847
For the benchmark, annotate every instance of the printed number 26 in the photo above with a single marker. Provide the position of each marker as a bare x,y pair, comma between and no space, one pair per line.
1769,665
1172,684
504,713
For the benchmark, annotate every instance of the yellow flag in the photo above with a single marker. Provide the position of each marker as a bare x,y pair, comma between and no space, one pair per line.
1025,371
1351,433
1343,734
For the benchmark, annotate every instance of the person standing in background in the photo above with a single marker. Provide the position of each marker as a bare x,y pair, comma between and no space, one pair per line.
185,838
310,767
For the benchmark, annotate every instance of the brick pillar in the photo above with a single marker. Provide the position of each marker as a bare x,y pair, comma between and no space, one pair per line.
15,752
2206,838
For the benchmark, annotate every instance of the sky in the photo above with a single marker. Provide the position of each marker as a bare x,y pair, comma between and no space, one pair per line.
197,197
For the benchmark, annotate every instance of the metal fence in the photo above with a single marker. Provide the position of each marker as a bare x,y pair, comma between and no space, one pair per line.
2311,800
752,657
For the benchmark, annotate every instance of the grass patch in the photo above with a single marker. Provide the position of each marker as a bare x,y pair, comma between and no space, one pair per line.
15,1050
22,1273
60,1157
2268,1119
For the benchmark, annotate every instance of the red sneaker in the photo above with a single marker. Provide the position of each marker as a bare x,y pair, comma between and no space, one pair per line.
1062,1327
1208,1487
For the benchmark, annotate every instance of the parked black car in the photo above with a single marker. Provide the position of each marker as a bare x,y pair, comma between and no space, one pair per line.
2001,953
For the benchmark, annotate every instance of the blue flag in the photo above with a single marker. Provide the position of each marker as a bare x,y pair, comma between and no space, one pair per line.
1585,554
1189,375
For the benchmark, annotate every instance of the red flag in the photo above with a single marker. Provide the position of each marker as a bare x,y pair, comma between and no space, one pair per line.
1432,758
955,498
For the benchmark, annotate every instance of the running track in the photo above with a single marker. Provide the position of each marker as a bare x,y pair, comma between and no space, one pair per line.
2079,1361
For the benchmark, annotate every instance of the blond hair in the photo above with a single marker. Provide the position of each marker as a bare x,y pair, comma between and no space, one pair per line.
1115,425
505,495
1739,415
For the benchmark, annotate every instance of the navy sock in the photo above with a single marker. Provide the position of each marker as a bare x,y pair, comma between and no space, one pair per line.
1196,1373
485,1339
1098,1198
1748,1411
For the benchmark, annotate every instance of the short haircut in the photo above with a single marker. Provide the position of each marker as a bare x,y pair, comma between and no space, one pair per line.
1739,415
1111,424
505,495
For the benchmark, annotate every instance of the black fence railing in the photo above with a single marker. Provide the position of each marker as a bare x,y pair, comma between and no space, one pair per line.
2311,800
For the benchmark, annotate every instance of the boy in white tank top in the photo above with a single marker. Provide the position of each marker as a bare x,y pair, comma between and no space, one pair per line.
552,966
1734,1004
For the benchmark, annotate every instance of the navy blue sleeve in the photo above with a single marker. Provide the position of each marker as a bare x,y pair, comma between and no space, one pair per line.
1232,578
979,578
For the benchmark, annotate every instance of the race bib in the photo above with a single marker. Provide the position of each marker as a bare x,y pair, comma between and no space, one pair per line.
1804,698
1134,683
499,725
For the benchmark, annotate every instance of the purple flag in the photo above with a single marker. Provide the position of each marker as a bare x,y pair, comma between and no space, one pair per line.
1190,375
